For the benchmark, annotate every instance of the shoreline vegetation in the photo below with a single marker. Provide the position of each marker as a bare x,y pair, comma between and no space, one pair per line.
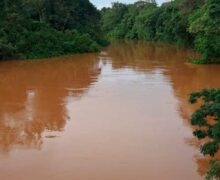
206,120
32,29
190,23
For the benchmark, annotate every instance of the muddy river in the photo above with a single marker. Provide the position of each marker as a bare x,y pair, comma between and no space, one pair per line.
121,114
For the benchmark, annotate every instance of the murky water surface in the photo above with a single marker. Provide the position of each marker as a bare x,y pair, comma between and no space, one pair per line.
118,115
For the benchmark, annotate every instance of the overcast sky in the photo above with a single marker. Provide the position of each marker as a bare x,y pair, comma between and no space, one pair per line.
106,3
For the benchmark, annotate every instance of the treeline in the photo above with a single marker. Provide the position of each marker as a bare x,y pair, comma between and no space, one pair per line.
44,28
191,23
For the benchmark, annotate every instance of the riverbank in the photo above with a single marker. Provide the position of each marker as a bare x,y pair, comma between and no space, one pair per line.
193,24
39,29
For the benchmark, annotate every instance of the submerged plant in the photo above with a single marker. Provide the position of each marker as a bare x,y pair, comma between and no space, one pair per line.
207,120
214,171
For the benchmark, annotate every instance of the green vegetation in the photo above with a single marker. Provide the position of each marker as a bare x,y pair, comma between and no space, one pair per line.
191,23
214,171
44,28
207,121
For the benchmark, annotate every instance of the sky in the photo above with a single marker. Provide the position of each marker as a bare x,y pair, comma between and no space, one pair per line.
106,3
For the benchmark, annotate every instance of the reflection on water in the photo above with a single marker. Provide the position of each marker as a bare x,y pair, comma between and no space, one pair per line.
32,97
122,115
185,78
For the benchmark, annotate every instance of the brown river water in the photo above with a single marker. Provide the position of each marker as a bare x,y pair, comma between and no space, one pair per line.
118,115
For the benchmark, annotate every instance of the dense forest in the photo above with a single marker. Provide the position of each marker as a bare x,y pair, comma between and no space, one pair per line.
44,28
191,23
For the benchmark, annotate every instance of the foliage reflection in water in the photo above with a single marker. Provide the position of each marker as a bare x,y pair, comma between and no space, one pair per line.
122,114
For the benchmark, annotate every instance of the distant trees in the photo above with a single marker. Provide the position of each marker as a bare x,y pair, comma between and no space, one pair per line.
43,28
190,23
112,17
